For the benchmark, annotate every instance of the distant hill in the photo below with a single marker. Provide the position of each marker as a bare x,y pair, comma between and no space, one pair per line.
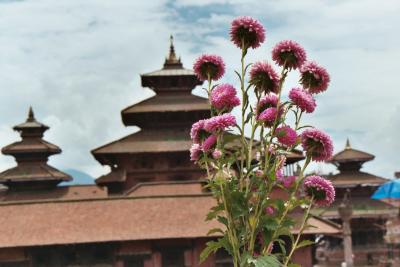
79,177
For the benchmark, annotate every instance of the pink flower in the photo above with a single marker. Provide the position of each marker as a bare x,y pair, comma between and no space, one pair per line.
268,116
320,189
247,30
212,65
197,133
279,174
302,99
286,135
287,181
268,101
317,144
264,78
217,154
289,54
314,77
223,97
209,143
219,123
269,210
195,152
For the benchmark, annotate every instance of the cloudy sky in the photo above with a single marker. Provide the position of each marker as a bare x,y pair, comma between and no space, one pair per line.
78,64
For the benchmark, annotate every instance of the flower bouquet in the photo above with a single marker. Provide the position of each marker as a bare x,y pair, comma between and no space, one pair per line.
245,161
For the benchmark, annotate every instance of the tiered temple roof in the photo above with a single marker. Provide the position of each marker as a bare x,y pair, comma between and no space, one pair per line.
31,155
160,150
167,210
349,163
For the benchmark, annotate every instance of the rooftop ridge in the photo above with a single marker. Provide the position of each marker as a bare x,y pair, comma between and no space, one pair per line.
108,198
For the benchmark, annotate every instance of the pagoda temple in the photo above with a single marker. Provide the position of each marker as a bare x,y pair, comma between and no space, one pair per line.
369,215
31,154
159,152
148,211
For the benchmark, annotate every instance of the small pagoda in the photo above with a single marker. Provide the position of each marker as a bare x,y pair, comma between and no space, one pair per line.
31,155
369,215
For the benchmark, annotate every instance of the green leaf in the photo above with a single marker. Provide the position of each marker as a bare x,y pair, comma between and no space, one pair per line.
223,220
294,265
270,224
267,261
304,243
211,247
249,115
214,212
228,138
215,231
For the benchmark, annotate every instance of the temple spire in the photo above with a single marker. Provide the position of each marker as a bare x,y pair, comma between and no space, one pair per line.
348,146
172,55
31,115
172,62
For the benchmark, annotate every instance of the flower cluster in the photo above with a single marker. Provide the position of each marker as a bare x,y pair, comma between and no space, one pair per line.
209,67
223,98
320,189
267,110
204,135
302,99
264,78
286,135
317,144
314,77
289,54
247,32
251,175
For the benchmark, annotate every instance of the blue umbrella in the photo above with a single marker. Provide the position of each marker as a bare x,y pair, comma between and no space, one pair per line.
388,191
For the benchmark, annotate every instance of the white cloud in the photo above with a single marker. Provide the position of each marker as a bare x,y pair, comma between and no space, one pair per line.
78,64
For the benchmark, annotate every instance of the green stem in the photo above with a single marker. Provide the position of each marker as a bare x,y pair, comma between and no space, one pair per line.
242,156
288,203
231,231
302,228
282,80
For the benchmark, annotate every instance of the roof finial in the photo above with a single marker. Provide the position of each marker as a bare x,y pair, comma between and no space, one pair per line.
172,56
31,115
348,146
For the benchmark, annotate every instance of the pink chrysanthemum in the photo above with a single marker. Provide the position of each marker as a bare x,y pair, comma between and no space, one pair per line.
197,133
290,54
279,174
314,77
320,189
223,97
264,77
287,181
268,101
270,210
212,65
219,123
209,143
268,116
195,152
302,99
247,30
286,135
317,144
217,154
